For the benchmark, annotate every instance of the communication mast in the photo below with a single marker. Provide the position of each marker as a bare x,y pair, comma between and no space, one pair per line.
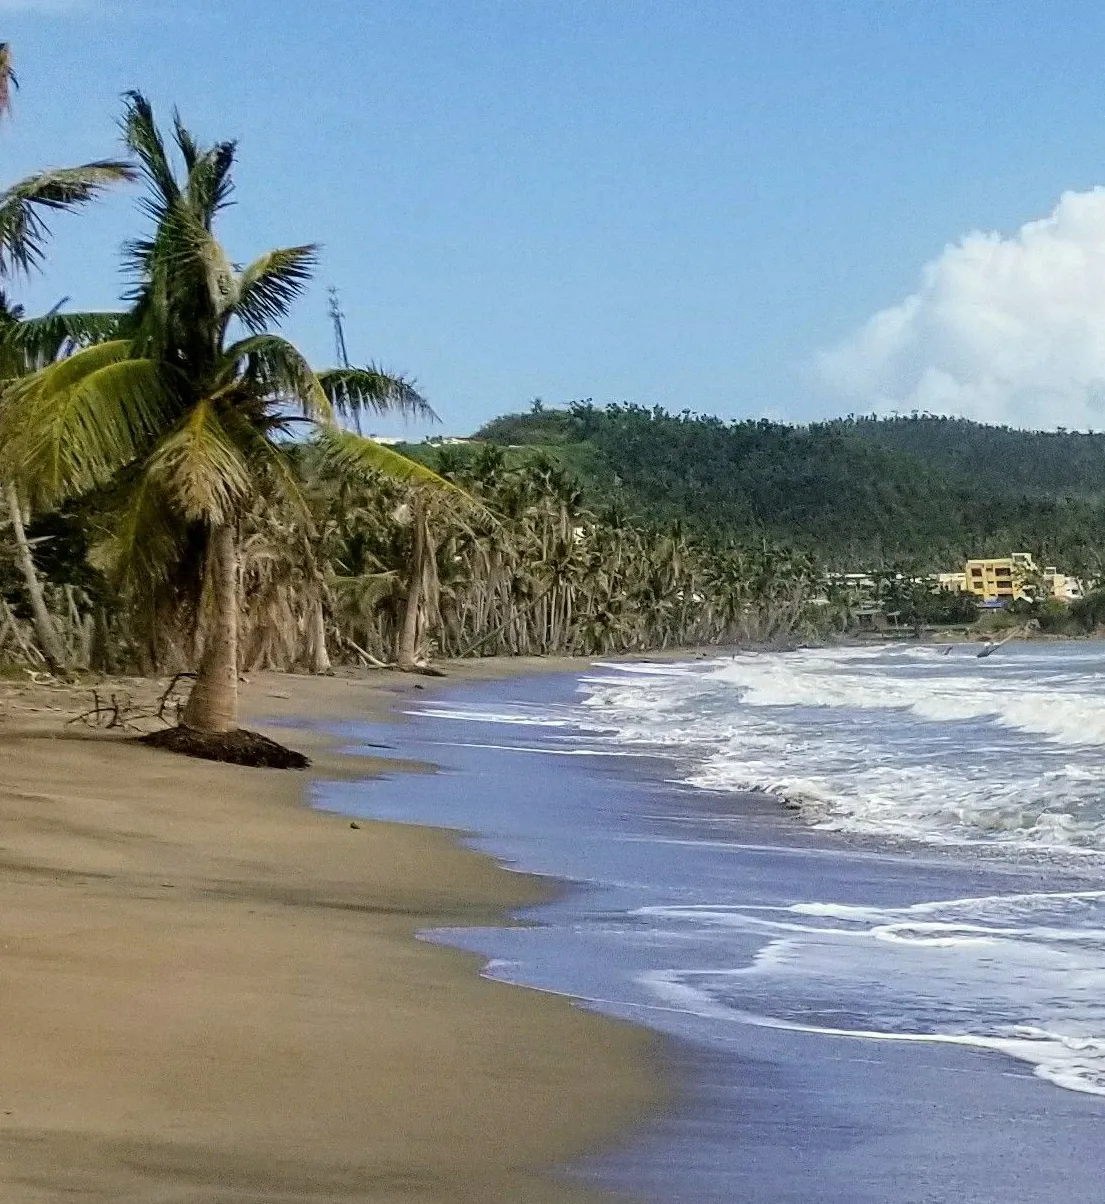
338,320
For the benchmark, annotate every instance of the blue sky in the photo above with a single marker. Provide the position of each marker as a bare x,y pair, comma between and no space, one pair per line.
693,204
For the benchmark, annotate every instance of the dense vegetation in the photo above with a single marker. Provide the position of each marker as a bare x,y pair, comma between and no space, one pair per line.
861,492
182,490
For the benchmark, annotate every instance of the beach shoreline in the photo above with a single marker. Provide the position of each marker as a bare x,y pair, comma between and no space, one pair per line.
790,1090
214,987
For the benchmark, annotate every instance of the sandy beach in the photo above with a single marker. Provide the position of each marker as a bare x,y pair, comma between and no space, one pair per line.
212,991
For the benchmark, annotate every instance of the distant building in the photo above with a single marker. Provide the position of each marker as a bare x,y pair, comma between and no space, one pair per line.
1000,579
955,583
1061,585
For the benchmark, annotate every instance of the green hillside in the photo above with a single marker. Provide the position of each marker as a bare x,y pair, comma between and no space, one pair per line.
923,490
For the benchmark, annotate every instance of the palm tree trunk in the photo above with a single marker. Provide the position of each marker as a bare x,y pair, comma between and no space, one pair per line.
318,658
408,639
48,638
213,703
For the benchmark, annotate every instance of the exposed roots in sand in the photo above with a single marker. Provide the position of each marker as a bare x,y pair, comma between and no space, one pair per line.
239,747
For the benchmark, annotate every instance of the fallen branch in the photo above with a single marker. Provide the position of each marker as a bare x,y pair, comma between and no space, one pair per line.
366,657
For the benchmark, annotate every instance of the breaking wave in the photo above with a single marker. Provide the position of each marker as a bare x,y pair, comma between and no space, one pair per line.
925,743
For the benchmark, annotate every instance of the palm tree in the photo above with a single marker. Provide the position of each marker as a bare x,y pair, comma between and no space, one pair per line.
25,346
24,209
198,398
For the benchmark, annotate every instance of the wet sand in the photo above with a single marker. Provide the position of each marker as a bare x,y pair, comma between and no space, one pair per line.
765,1115
211,991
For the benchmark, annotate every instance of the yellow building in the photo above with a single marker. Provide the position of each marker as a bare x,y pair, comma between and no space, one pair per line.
1001,578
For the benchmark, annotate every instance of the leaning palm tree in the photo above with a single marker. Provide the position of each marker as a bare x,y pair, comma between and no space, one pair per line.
198,398
24,211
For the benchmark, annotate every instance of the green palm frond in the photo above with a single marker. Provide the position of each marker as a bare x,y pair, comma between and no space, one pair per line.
281,372
23,206
143,544
354,391
199,470
142,137
70,427
210,184
269,285
269,462
45,338
186,142
346,454
57,379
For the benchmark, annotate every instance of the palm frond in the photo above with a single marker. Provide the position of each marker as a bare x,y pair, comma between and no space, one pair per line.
281,371
354,391
347,454
66,374
143,545
199,470
268,286
142,137
70,427
186,142
210,184
43,339
269,462
23,227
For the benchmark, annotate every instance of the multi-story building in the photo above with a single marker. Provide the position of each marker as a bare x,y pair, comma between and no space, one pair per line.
1000,579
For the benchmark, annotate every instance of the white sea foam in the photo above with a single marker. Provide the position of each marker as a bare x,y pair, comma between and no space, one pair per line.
907,743
515,718
1022,975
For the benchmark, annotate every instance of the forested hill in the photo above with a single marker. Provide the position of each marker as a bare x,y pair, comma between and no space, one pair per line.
923,491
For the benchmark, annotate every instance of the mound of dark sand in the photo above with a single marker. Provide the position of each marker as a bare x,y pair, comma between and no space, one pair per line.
239,747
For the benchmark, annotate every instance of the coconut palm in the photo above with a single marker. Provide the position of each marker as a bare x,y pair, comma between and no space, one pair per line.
197,399
25,346
24,209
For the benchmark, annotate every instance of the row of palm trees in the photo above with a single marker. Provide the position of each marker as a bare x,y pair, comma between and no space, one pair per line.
534,572
231,517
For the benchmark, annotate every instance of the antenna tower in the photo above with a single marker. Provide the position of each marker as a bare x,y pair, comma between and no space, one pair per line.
338,320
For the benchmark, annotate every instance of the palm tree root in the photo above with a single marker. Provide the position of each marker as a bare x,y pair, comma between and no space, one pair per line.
238,747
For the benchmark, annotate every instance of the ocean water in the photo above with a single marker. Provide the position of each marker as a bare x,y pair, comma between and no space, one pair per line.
862,889
929,743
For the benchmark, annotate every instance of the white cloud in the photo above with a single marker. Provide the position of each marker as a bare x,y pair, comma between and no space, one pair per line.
1008,330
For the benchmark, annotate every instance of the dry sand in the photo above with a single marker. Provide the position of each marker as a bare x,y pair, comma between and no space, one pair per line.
210,992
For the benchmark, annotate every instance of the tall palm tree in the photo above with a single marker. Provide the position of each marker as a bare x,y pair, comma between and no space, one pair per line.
198,398
24,209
